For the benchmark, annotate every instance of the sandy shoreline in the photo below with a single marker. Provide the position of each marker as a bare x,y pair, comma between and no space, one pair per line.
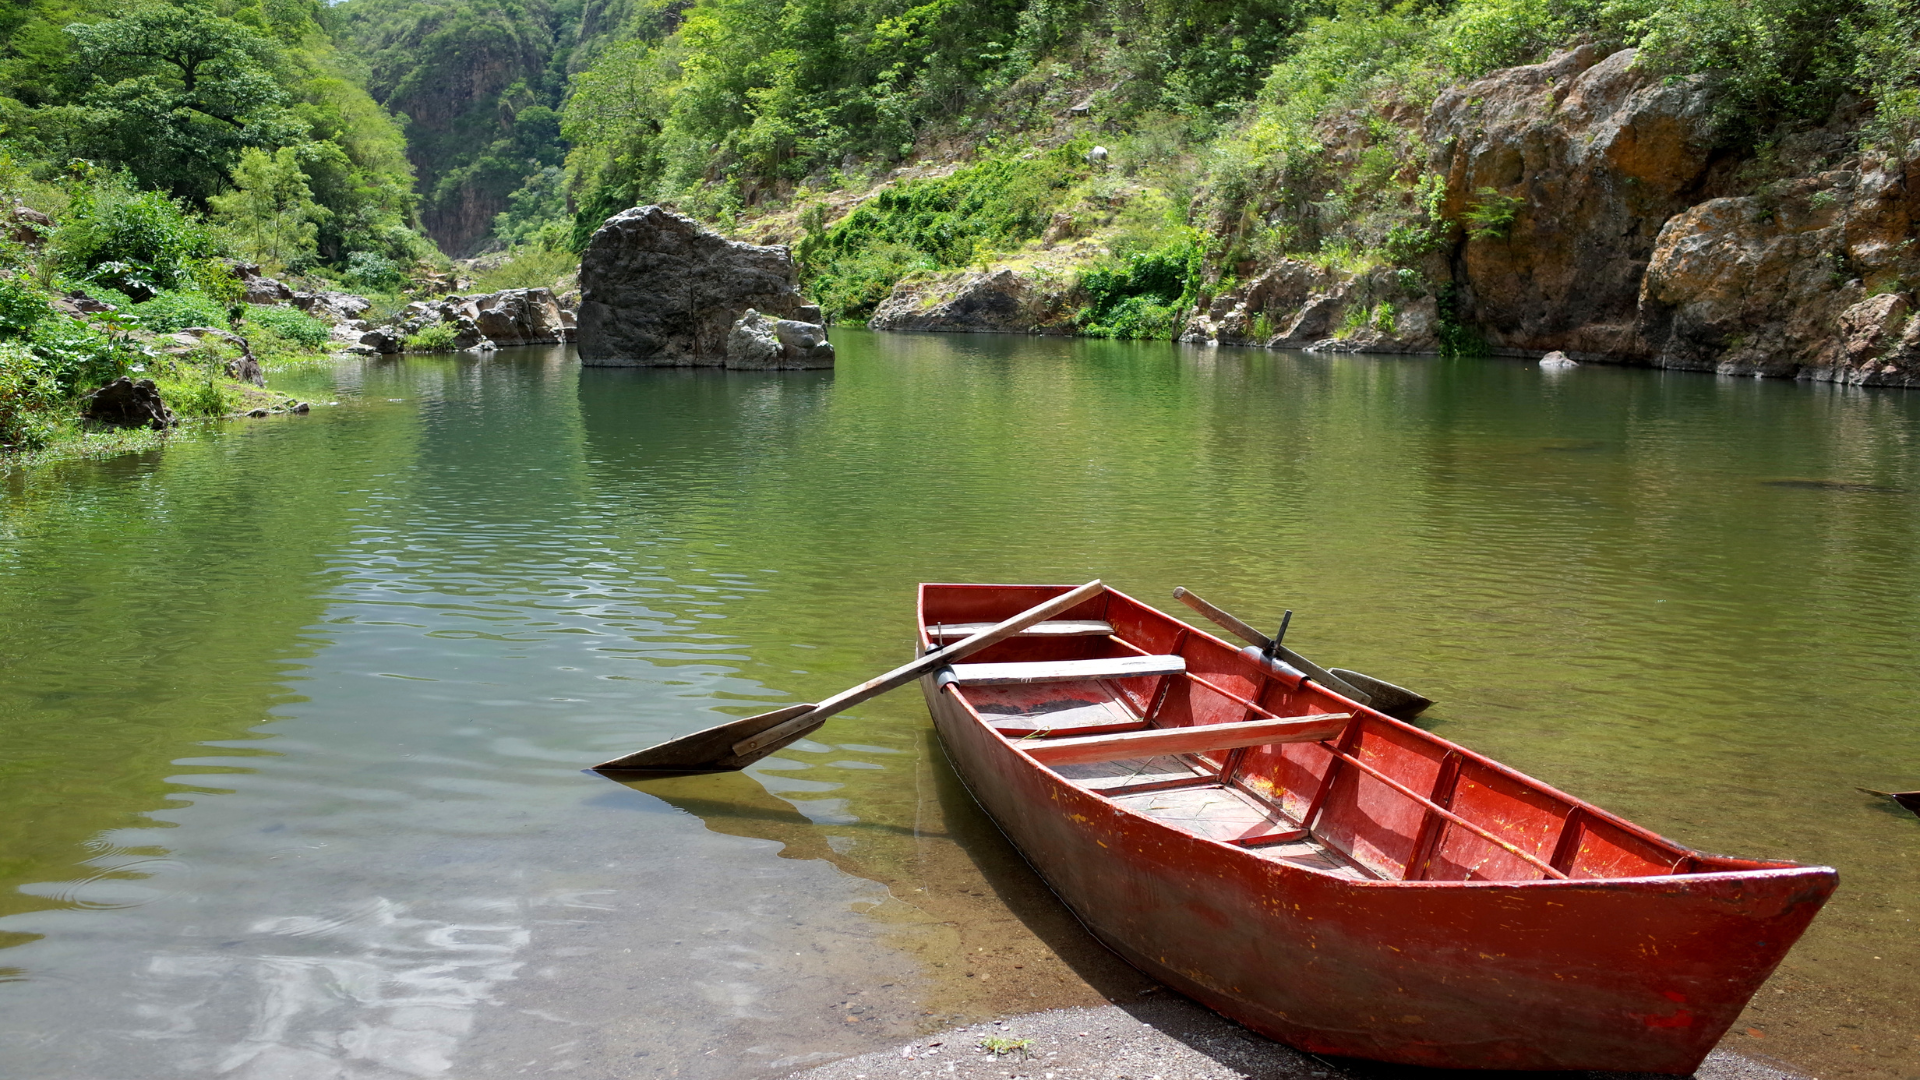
1163,1037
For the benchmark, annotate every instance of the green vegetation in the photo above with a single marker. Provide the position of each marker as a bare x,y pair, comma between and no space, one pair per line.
935,224
287,324
482,82
1225,110
1002,1045
189,97
440,337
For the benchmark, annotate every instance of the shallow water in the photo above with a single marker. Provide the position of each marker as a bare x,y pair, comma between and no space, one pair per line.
295,709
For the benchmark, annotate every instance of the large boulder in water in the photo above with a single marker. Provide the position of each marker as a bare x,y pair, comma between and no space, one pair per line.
659,290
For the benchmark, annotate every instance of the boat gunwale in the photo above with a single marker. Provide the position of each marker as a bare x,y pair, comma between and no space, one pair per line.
1757,870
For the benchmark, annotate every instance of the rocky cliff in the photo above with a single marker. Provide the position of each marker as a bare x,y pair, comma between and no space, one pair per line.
1580,206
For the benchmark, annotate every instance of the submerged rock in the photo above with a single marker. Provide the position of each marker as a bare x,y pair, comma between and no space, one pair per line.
125,402
659,290
756,341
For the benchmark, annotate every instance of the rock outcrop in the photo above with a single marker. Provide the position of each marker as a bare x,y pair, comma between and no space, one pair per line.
333,307
480,323
759,342
1297,305
126,402
997,301
260,289
1804,280
658,290
245,367
521,317
27,227
1586,156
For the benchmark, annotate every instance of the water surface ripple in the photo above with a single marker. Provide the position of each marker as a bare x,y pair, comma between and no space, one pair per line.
296,709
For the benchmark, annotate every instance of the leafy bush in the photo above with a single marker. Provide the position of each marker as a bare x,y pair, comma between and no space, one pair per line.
176,310
1491,214
1146,295
22,306
370,271
28,393
296,326
440,337
943,223
138,242
529,268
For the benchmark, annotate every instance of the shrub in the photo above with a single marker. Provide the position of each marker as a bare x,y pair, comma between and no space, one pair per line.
940,223
139,242
1491,214
28,391
439,337
295,326
371,271
1144,295
173,310
528,268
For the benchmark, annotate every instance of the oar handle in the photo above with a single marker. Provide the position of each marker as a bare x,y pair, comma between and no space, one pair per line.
932,661
1223,620
1277,652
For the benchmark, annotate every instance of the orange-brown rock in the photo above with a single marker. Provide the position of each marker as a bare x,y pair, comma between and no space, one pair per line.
1592,155
1807,279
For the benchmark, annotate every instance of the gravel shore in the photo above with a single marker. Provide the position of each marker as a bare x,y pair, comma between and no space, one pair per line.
1165,1037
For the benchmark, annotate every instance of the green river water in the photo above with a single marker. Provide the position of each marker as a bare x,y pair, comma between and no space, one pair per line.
295,710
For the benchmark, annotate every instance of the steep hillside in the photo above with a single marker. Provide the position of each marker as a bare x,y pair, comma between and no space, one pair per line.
481,83
1704,184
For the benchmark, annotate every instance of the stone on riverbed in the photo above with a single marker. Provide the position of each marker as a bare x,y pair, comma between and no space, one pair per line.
659,290
757,341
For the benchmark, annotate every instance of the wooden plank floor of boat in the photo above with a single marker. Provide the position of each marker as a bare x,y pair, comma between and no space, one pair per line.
1169,789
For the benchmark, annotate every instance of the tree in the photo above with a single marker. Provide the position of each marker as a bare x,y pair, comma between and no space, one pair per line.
271,210
176,95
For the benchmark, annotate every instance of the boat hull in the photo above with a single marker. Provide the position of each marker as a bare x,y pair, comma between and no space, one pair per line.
1626,974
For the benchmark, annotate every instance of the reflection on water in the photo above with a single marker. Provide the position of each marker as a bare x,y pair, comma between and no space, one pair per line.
296,708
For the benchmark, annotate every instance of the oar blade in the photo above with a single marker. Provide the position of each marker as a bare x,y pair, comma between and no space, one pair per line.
1396,701
710,749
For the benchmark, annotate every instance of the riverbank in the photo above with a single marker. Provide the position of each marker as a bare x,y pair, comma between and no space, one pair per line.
1166,1037
1586,205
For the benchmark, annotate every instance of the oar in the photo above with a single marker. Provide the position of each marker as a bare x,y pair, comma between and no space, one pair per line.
739,743
1393,700
1908,799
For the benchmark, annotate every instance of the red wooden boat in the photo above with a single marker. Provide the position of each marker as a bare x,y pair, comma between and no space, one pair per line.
1334,878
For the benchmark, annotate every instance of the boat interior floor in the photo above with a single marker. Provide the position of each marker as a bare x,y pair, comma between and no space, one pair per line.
1178,792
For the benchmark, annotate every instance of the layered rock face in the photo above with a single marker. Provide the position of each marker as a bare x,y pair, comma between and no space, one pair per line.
1591,155
659,290
1803,280
1619,250
1297,305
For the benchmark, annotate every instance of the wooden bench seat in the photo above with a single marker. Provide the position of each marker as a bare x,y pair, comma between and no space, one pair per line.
1199,739
1050,628
1046,671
